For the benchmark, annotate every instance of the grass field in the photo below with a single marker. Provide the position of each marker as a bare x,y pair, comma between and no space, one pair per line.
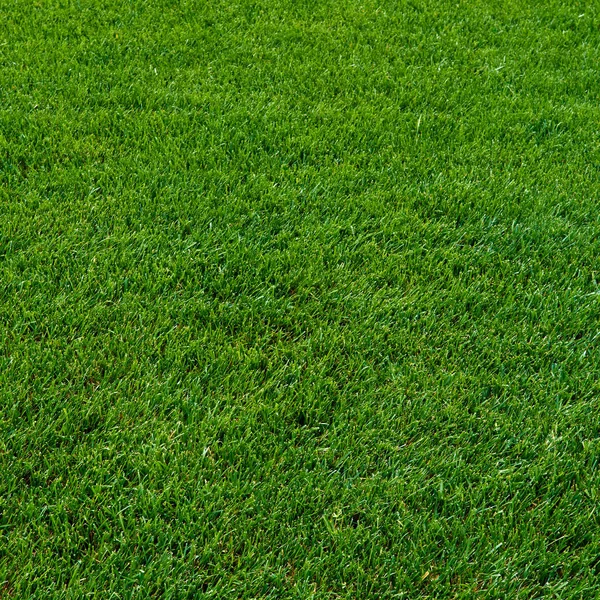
299,299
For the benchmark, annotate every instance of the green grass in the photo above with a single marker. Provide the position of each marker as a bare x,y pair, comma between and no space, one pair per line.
299,300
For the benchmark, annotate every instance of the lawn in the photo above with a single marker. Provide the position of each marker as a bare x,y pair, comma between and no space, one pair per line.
299,300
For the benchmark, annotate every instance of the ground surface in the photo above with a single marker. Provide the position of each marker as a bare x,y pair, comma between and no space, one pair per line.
299,300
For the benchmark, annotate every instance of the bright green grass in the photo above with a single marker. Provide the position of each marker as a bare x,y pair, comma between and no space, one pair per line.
299,299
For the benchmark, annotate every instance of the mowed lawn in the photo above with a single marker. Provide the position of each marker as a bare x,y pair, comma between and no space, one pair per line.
299,299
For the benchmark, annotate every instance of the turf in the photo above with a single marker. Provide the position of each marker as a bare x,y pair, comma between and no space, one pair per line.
299,300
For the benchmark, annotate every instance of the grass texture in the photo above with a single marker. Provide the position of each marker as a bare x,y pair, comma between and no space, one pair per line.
299,299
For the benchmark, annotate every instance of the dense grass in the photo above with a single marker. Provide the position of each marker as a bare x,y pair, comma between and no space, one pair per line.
299,300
